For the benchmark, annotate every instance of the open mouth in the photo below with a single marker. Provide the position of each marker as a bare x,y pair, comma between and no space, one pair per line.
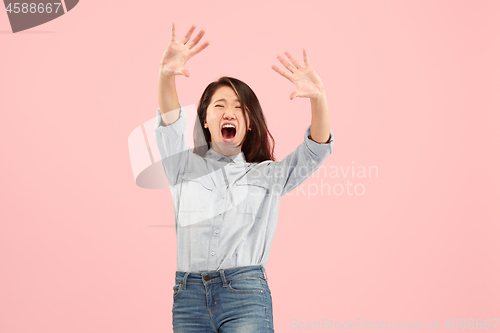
228,132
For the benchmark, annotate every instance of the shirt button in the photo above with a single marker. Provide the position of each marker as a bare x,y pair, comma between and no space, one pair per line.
212,253
223,197
216,232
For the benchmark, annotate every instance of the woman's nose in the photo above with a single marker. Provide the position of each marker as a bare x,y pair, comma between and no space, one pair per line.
229,114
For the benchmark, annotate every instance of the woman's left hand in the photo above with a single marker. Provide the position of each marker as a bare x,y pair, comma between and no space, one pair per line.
307,82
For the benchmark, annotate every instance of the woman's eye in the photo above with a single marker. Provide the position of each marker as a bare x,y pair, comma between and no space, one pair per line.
218,106
238,107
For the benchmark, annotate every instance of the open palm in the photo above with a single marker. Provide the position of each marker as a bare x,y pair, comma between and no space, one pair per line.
307,82
179,52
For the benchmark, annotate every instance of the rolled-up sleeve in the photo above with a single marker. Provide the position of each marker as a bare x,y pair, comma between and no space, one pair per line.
297,166
172,144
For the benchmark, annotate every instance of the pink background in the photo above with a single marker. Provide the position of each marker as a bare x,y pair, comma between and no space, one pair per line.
413,89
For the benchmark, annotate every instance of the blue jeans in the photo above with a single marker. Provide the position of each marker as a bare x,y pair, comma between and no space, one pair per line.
236,300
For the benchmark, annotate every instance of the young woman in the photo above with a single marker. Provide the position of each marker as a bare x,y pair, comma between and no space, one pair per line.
226,192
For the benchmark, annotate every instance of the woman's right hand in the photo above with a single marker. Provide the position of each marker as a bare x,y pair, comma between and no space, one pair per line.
178,52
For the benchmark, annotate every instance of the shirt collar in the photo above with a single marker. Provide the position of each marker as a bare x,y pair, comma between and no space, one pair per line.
236,158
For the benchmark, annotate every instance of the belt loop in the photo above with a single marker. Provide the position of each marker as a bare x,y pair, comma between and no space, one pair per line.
223,278
184,281
263,272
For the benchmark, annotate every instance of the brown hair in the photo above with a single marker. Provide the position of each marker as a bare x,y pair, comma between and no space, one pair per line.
257,142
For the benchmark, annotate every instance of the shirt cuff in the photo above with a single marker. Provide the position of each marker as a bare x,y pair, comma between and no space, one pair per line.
178,127
321,149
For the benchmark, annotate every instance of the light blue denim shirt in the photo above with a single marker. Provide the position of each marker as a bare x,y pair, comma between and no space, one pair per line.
226,209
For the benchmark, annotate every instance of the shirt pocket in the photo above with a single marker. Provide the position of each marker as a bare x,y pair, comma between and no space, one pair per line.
252,195
196,194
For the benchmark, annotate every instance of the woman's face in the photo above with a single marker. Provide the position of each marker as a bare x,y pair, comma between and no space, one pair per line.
225,121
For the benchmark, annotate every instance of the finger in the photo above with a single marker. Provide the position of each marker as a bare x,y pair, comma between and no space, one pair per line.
199,48
306,58
294,94
185,72
197,38
293,60
188,35
281,72
286,63
173,32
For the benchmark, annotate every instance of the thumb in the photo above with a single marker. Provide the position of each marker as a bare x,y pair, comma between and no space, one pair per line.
293,95
185,72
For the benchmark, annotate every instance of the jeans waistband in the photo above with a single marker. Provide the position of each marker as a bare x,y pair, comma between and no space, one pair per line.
221,275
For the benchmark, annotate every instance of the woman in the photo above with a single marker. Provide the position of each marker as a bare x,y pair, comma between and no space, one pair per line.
226,193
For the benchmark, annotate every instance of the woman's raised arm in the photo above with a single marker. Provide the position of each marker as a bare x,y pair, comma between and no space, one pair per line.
172,64
308,84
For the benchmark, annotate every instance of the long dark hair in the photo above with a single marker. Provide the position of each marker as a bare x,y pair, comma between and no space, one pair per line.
258,144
